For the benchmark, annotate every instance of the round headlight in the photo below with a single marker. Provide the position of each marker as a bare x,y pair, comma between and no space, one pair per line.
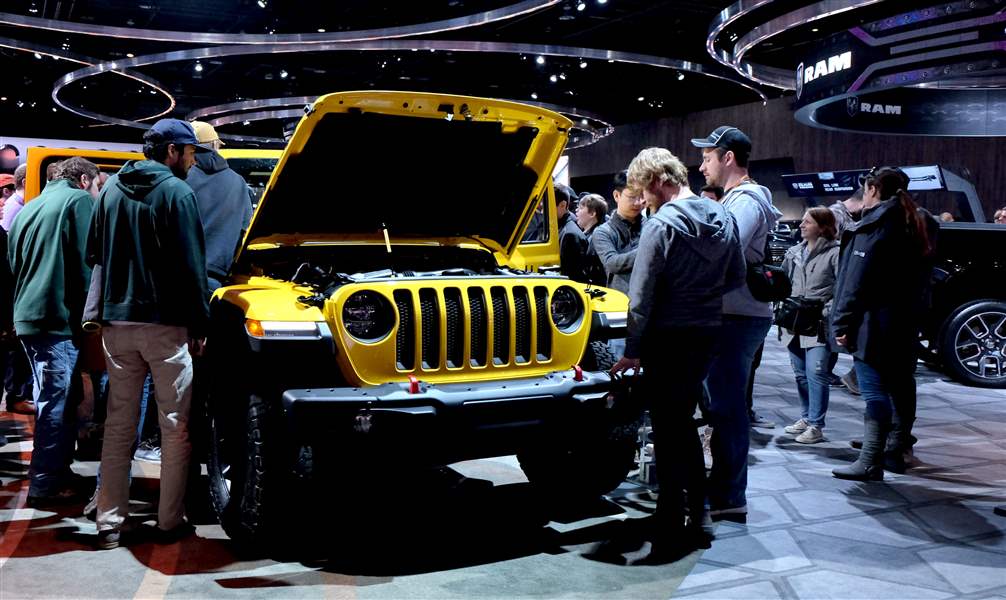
567,309
368,316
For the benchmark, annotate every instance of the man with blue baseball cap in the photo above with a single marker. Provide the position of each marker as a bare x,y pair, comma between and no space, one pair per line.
147,238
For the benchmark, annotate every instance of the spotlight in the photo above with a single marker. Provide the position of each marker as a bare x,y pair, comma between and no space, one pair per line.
262,3
681,76
246,123
130,55
3,98
534,96
540,60
321,30
581,6
54,109
602,1
283,74
640,98
583,122
553,78
198,67
38,56
815,30
562,76
583,64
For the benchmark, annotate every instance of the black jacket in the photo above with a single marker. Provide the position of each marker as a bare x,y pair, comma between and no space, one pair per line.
147,235
572,249
881,289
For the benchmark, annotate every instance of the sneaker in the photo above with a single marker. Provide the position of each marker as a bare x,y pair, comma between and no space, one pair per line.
812,435
849,379
735,514
21,406
799,427
835,381
760,422
148,452
108,539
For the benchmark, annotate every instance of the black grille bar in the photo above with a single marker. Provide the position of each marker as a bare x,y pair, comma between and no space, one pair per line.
405,350
479,325
431,328
522,314
455,328
501,326
541,305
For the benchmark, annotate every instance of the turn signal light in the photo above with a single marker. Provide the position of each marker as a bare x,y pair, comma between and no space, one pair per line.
255,328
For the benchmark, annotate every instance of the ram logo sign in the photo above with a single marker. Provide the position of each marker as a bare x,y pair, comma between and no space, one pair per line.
822,68
855,107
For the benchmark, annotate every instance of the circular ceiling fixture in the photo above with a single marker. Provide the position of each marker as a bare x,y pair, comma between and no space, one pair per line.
193,37
591,125
196,54
764,74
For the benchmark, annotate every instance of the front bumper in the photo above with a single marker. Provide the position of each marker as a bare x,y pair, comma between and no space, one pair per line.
450,422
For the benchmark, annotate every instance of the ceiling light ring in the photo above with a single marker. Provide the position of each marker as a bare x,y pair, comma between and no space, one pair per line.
121,65
191,37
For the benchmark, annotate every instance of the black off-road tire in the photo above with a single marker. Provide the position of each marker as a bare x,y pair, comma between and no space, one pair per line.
598,357
965,334
583,473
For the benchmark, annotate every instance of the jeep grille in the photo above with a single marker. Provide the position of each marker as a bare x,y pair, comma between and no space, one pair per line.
458,324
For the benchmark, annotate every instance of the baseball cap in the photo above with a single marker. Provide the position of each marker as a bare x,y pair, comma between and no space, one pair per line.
175,131
6,179
205,132
726,137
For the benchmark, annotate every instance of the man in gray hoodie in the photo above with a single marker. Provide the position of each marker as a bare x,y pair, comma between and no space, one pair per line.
689,256
746,321
224,204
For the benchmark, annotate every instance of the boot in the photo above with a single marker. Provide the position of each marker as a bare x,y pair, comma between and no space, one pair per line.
870,464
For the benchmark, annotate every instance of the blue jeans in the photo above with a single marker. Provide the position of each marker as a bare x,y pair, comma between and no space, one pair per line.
740,338
812,368
53,358
886,388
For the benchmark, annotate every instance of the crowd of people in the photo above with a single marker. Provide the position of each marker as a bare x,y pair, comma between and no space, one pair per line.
137,254
858,281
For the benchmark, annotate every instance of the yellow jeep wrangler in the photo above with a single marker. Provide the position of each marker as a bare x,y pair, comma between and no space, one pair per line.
375,315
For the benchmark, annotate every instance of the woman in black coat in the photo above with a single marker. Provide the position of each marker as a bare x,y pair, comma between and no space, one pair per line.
883,273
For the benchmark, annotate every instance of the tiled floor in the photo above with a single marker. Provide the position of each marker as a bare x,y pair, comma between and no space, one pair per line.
930,533
927,534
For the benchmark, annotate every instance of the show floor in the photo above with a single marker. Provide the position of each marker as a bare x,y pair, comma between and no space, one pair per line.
930,533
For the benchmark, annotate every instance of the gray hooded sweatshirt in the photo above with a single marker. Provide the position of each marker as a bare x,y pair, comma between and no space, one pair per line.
689,256
224,207
751,206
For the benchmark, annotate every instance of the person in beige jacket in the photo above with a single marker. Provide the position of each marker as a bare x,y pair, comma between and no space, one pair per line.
812,266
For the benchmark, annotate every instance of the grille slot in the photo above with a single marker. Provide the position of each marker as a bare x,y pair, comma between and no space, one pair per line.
541,305
522,328
479,326
455,328
430,311
405,349
501,326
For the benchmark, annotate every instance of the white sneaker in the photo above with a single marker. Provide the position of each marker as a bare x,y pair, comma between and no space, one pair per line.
798,427
812,435
148,452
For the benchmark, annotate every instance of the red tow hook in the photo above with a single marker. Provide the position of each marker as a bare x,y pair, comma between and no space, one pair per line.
413,384
577,373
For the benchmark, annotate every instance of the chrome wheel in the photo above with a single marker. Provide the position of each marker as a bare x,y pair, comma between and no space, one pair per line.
980,345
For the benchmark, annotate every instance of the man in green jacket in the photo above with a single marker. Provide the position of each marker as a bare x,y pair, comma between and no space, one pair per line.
46,253
148,239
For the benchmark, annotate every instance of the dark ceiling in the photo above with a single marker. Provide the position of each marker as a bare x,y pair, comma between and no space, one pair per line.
616,92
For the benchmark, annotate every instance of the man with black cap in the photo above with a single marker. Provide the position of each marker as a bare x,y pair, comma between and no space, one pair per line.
147,237
746,321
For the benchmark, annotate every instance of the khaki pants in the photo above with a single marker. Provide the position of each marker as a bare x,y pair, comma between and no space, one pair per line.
129,351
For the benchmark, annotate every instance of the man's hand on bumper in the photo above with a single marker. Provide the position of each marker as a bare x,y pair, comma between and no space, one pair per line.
624,364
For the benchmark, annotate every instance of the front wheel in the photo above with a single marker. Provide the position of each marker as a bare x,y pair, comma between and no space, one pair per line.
973,346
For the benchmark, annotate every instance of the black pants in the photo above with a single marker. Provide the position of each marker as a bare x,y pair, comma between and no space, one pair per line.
676,362
751,379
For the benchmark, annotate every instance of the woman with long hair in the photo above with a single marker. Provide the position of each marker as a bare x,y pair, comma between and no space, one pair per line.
884,270
812,266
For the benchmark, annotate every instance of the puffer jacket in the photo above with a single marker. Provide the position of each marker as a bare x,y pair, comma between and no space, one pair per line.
813,276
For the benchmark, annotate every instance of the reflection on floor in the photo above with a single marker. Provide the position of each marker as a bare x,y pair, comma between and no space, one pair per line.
928,534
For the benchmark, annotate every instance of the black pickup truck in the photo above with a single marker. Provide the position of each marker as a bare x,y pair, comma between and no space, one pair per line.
964,332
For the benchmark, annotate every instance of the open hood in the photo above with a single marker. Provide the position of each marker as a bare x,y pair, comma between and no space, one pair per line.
420,166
